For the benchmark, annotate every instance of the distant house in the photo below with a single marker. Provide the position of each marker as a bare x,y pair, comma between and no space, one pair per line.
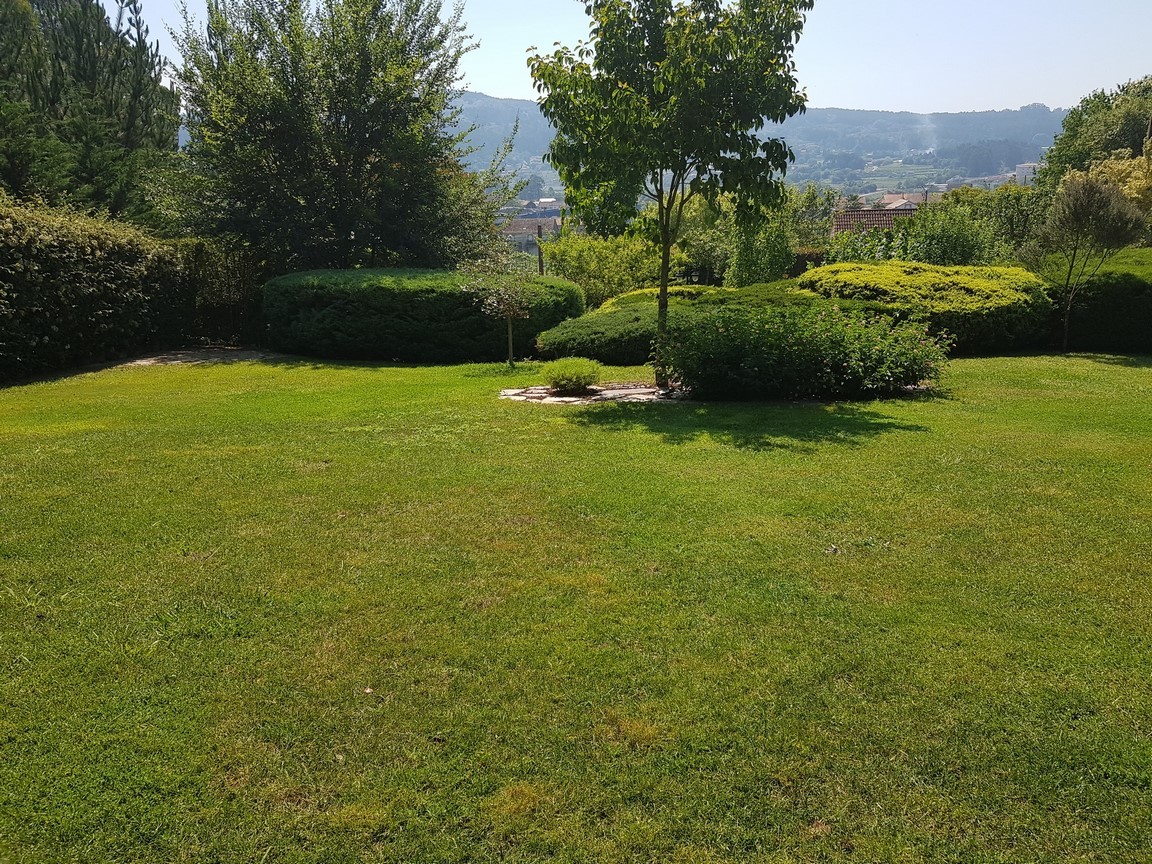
900,204
864,220
521,233
1026,172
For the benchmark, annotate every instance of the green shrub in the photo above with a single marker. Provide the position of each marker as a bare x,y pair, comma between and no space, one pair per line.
74,289
422,316
984,309
571,376
603,267
1113,312
621,331
793,352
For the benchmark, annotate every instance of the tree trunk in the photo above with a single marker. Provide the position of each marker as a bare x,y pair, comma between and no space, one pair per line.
1067,320
662,307
511,358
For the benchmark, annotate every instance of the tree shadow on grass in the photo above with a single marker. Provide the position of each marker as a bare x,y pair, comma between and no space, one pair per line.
801,427
1129,361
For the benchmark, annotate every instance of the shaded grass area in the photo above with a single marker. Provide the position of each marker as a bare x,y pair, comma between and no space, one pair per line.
291,612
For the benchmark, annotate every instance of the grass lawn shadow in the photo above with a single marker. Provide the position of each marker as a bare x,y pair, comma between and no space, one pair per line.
749,426
1129,361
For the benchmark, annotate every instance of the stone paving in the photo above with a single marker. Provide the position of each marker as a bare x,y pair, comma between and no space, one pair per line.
607,393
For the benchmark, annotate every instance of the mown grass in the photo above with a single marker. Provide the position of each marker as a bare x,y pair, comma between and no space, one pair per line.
289,612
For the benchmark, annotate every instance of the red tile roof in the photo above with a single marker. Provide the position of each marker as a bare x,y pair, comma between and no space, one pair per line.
863,220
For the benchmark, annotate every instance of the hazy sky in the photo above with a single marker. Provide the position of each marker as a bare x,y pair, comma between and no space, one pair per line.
912,55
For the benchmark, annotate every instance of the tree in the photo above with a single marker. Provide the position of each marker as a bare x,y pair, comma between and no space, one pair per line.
1090,221
1101,124
321,135
501,292
666,101
84,110
1133,176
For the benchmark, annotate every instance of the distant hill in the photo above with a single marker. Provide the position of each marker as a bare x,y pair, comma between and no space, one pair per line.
832,144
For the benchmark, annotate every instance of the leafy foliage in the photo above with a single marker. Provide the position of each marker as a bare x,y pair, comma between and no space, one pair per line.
603,266
1132,176
1099,126
945,234
984,309
84,110
571,376
321,136
411,315
75,289
667,101
623,330
1090,221
793,352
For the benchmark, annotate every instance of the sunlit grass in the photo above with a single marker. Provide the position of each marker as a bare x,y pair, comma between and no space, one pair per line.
294,612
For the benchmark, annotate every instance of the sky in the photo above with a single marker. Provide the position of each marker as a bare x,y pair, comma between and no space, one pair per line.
892,55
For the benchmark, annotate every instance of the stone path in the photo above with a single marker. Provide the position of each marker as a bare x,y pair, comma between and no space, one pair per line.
607,393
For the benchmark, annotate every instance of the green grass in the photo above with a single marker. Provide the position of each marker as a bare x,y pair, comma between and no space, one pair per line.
1137,261
289,612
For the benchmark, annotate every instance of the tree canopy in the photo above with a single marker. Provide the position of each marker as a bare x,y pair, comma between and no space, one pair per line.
667,100
84,110
1099,126
320,136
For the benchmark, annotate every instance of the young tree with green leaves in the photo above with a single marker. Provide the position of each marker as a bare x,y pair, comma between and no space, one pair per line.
1090,221
666,101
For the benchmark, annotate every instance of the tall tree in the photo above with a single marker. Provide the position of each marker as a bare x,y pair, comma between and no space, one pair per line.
1090,221
667,101
321,134
84,110
1099,126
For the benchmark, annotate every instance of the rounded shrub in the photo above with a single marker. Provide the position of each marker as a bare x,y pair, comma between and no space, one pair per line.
422,316
621,331
571,376
985,310
817,352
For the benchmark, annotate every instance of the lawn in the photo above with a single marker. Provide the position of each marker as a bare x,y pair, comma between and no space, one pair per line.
291,612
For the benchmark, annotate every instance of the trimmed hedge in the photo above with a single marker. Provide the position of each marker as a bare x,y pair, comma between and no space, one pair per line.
796,352
984,309
74,289
1113,312
620,333
421,316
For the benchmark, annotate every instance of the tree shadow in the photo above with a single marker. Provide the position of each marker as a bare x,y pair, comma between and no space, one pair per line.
801,426
1130,361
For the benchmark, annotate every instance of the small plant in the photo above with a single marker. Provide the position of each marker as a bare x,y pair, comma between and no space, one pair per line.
571,376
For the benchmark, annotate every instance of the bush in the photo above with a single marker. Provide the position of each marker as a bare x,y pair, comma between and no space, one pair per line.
603,267
422,316
74,289
795,352
571,376
1113,312
621,331
985,309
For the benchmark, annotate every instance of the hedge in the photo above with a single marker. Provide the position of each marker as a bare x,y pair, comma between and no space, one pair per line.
75,289
986,310
422,316
801,352
1113,312
621,331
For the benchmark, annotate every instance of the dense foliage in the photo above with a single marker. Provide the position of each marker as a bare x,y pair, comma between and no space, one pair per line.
1113,313
76,289
1103,123
409,315
984,309
945,234
623,330
321,136
84,112
793,352
571,376
603,266
669,100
